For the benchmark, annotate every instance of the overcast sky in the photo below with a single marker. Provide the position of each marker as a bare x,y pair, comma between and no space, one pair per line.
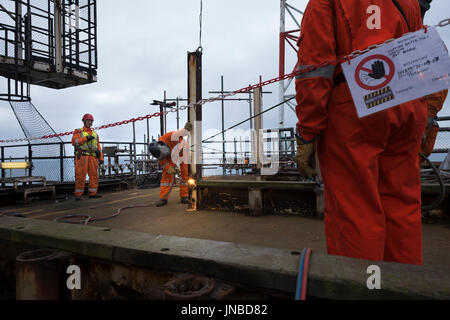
142,50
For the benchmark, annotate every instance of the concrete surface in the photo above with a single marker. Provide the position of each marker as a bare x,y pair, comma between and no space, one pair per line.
329,277
284,232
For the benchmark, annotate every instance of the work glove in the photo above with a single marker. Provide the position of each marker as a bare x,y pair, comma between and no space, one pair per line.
101,162
304,156
173,170
89,138
188,126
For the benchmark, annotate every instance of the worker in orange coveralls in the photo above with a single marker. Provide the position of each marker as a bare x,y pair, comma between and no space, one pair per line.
435,103
171,143
369,165
88,154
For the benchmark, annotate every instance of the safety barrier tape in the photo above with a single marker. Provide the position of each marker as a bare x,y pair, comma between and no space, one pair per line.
339,60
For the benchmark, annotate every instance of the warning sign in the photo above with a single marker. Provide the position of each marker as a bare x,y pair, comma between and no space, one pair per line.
405,69
374,72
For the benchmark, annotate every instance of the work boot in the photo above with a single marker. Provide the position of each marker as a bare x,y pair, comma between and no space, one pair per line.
161,203
185,200
78,198
95,196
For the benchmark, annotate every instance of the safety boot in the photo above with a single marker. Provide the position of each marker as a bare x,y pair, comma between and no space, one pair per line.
95,196
161,203
185,200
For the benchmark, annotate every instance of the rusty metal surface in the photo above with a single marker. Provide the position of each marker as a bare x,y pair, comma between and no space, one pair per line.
189,287
279,202
38,275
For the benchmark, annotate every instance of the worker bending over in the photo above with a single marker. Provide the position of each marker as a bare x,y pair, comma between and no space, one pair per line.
370,166
171,143
88,154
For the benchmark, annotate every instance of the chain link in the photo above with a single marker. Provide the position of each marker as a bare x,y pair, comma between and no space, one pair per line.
444,23
339,60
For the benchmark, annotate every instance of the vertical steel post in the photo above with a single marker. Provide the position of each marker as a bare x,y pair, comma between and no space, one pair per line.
195,113
235,151
161,119
258,124
131,159
134,150
18,35
178,115
195,117
165,116
3,160
30,158
148,131
145,144
61,161
250,108
58,37
223,127
255,196
282,62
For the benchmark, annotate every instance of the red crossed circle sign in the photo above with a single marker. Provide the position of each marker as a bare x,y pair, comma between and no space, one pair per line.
363,70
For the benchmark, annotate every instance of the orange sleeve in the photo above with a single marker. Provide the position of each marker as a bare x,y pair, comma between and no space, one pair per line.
317,44
78,139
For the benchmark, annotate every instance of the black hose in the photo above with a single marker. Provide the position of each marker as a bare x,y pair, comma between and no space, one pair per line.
85,219
441,197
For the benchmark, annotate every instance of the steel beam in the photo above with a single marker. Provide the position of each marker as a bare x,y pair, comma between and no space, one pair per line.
195,113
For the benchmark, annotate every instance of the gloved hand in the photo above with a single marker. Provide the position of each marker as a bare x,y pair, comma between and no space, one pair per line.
173,170
188,126
101,162
90,138
305,152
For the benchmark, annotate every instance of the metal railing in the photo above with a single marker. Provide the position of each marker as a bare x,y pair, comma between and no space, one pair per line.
123,160
61,168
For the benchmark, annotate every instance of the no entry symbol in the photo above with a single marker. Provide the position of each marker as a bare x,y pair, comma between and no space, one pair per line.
374,72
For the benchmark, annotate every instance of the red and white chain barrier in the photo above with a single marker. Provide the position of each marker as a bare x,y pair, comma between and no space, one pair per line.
339,60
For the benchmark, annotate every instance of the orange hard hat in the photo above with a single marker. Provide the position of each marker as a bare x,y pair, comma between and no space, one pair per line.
88,116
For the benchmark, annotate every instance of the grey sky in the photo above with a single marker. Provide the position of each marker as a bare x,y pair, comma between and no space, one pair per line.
143,49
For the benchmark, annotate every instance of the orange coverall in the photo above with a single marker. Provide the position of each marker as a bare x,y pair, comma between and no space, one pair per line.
369,166
167,180
85,163
435,103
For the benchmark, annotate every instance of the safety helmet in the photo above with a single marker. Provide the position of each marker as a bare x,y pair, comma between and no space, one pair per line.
424,6
88,116
159,150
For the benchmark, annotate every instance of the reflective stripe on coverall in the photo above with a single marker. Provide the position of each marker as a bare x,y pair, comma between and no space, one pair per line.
369,166
85,162
167,179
